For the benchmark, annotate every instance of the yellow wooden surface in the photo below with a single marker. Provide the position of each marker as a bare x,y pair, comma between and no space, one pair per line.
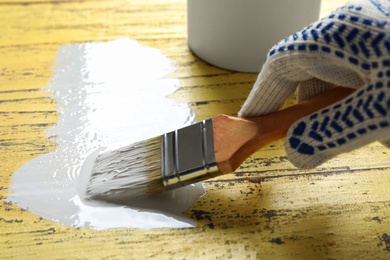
268,209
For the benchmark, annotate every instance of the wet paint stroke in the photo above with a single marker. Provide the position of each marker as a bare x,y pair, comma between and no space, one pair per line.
110,94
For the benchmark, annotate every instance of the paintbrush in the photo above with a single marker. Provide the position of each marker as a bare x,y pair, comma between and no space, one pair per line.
204,150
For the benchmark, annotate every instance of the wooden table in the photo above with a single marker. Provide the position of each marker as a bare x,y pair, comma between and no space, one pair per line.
267,209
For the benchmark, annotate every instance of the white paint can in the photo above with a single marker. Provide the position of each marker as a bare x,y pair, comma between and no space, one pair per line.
237,34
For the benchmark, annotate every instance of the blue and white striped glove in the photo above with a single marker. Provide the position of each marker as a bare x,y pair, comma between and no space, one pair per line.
349,48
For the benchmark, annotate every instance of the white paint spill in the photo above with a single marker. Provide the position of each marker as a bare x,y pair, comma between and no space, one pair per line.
109,94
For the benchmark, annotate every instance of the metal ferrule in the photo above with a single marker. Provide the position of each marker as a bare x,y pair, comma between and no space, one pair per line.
188,155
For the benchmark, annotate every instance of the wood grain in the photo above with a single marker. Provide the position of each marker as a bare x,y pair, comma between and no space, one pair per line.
267,209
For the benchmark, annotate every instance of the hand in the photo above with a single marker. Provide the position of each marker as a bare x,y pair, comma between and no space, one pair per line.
349,48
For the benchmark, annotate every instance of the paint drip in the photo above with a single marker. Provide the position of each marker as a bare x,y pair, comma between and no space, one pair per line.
110,94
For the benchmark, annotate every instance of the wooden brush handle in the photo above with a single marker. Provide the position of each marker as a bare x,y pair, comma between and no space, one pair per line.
235,139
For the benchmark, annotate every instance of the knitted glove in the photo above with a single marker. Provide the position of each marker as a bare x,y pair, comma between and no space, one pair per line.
349,48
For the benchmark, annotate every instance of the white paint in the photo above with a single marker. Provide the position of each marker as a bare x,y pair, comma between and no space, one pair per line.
109,95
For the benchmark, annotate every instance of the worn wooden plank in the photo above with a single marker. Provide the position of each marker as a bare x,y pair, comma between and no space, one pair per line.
266,209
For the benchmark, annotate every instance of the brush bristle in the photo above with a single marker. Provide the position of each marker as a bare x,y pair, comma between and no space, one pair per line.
131,171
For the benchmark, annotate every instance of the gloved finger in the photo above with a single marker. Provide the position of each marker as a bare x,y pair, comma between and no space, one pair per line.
271,89
312,87
358,120
283,71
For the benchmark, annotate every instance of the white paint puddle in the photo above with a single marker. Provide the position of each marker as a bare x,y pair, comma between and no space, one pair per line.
109,94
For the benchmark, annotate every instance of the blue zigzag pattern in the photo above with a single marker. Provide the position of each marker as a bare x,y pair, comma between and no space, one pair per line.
356,46
367,46
366,105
